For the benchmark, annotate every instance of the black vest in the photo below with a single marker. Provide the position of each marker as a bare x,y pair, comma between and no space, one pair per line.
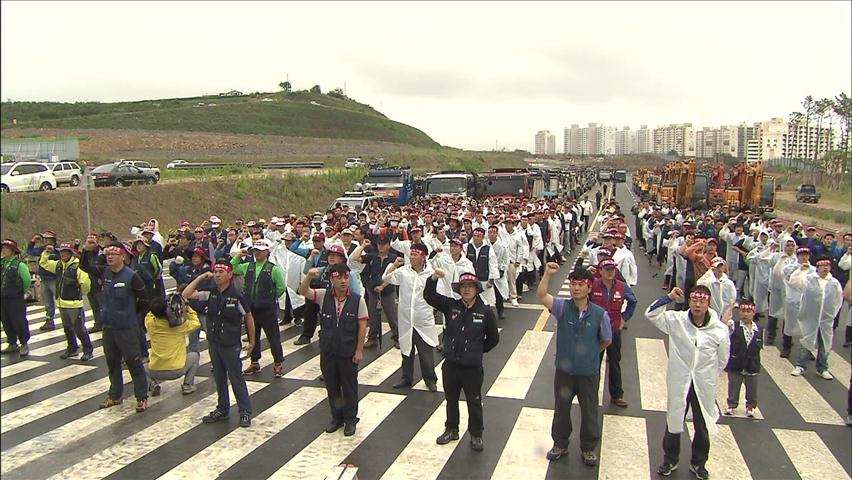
67,286
464,336
339,336
223,317
146,269
11,286
480,262
322,261
260,291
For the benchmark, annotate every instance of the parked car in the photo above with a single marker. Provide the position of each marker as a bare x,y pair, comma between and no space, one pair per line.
376,162
26,177
67,172
353,162
144,166
121,175
807,193
175,163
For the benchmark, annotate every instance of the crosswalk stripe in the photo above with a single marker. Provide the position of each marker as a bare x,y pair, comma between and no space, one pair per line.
727,460
525,306
33,308
525,453
58,438
33,384
421,385
381,368
19,367
652,361
564,293
37,410
61,346
518,372
226,451
809,454
328,450
722,399
422,459
839,367
310,370
804,397
136,446
39,335
624,448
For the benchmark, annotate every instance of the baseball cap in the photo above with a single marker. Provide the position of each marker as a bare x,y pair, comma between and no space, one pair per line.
261,244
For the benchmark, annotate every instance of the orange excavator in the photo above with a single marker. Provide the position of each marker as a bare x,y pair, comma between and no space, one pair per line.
717,185
678,184
749,188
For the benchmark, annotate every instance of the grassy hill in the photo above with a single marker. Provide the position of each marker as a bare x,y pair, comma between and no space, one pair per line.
297,114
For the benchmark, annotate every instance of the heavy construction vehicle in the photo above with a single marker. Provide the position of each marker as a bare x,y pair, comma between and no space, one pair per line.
683,186
394,184
749,188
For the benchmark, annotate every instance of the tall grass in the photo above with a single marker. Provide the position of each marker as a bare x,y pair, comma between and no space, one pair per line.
11,209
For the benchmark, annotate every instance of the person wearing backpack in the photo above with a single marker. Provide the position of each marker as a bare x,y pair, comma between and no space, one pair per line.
169,323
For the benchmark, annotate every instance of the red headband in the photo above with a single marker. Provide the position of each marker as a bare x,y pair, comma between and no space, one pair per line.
823,262
699,296
111,250
223,266
338,274
746,306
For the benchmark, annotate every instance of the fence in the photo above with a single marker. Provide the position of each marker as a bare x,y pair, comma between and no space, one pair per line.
32,148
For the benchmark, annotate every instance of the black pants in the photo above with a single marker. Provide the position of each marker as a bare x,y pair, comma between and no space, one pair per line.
427,360
457,378
499,301
700,442
13,314
613,364
771,328
389,307
310,315
123,344
95,302
341,382
585,388
227,365
267,319
527,278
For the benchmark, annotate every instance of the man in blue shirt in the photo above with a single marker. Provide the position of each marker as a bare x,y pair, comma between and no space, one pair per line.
583,331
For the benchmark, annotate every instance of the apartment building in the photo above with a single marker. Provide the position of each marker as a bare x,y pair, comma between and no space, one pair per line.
679,138
712,142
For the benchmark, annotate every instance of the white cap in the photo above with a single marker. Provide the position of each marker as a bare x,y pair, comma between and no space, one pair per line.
261,245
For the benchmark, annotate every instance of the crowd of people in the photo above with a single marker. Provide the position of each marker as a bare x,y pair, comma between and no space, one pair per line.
441,271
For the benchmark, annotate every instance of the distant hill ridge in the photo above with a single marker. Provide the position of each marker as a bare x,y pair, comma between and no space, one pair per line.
295,114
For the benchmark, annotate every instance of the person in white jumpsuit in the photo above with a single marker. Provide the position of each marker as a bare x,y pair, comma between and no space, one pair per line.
777,288
759,271
698,350
416,322
501,252
793,298
722,289
822,297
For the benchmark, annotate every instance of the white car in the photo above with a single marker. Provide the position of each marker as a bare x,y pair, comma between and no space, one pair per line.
26,177
175,163
67,172
353,162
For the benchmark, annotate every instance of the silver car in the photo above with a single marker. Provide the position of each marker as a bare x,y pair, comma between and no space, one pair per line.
67,172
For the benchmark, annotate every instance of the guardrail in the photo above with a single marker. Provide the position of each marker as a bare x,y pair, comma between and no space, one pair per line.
264,166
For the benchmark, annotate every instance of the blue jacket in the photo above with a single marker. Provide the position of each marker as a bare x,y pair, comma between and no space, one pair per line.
578,339
34,251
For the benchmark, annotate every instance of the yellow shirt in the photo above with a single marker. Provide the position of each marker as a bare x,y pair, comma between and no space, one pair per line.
82,278
168,345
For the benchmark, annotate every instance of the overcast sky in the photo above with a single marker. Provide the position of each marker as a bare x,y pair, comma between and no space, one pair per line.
468,74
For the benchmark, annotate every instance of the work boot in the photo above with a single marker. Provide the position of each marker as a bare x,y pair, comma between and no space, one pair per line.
302,341
95,329
476,444
556,453
448,436
48,326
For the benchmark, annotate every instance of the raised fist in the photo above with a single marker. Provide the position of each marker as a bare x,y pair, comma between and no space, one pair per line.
552,267
676,294
438,273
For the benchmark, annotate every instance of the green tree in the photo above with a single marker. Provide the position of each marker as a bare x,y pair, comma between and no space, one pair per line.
843,109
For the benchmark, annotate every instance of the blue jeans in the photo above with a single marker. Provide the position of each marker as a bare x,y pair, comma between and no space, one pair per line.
195,336
821,356
227,365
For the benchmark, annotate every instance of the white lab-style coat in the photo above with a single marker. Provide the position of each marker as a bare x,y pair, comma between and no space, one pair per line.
413,313
821,300
501,252
626,265
793,298
778,261
453,269
537,246
723,292
761,270
696,356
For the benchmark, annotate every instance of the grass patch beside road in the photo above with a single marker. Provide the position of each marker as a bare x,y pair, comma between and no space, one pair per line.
834,216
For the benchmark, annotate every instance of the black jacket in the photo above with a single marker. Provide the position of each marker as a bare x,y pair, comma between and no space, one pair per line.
745,358
469,332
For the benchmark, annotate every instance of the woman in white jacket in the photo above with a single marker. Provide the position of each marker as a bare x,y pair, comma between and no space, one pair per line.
698,350
722,289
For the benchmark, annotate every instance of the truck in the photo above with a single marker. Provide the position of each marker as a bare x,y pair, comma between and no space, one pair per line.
506,183
452,183
604,175
621,176
393,184
806,193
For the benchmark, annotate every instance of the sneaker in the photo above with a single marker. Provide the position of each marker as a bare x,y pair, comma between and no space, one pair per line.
142,405
297,322
556,453
87,356
785,353
69,354
729,411
849,419
25,350
334,426
797,371
750,412
447,437
155,390
251,370
302,341
476,444
186,389
48,326
826,375
515,303
619,402
666,469
245,420
590,459
279,370
96,329
10,350
215,416
700,472
349,429
432,386
109,402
